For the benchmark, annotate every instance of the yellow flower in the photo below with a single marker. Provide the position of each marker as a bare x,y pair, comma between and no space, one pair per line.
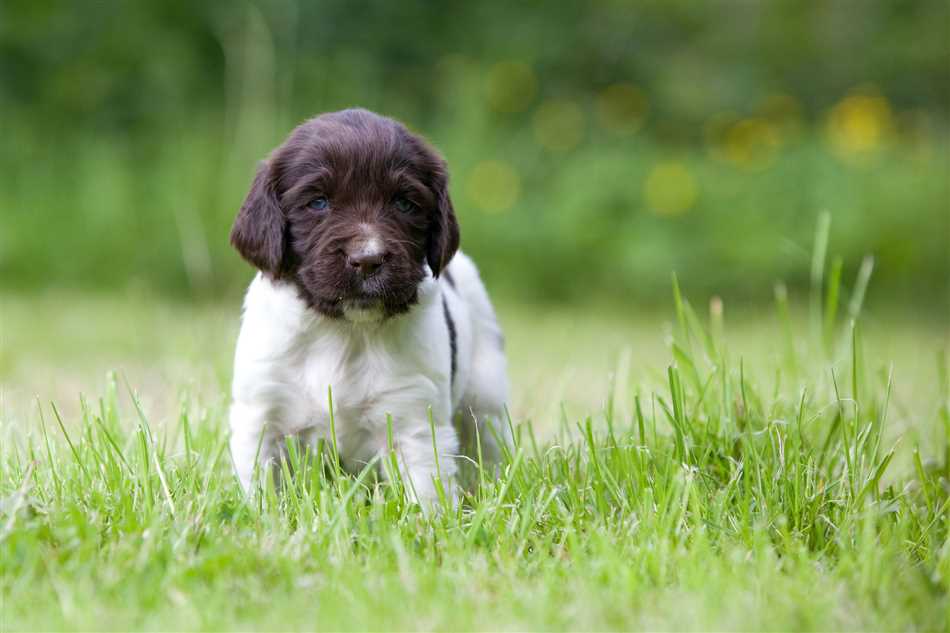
859,124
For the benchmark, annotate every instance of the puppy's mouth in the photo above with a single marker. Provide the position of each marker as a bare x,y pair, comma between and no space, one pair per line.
365,301
372,298
362,308
362,301
367,292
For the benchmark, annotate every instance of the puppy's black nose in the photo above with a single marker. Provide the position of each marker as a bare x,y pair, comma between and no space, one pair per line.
366,263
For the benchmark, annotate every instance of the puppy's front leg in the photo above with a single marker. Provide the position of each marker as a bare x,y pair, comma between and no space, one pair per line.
421,464
253,448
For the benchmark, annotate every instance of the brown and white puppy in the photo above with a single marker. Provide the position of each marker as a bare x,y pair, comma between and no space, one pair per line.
362,290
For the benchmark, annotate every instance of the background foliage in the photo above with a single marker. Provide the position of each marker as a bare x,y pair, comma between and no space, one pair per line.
594,146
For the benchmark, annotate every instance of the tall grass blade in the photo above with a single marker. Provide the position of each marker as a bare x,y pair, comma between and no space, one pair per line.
819,251
860,287
831,303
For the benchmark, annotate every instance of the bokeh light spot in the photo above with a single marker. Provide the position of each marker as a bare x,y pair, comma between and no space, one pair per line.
670,189
622,108
715,130
494,186
784,114
559,125
752,143
858,124
511,86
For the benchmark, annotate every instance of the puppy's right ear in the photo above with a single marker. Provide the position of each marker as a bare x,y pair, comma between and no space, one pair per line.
258,231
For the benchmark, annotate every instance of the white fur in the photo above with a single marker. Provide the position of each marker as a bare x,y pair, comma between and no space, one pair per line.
288,357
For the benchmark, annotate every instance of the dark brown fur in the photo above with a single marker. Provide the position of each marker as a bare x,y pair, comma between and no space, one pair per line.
361,162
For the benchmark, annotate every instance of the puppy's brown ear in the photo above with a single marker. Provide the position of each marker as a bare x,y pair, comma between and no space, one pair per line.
258,231
444,232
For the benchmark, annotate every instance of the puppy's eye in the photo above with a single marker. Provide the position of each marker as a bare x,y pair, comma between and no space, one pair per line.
319,203
404,205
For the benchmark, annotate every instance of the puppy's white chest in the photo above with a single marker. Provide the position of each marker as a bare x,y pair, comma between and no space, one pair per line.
363,379
348,376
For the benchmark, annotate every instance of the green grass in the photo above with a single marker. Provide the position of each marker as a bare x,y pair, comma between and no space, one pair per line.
714,488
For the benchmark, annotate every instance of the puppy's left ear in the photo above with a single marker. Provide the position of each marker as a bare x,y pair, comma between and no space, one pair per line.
444,232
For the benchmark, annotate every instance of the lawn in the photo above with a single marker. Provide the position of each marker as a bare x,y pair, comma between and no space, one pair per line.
673,470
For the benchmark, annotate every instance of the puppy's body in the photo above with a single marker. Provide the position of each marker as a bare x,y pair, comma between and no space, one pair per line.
362,292
289,357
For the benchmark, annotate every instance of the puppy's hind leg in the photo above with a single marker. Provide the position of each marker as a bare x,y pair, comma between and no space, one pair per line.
482,415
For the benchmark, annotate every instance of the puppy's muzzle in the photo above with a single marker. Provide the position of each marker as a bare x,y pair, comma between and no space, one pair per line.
366,256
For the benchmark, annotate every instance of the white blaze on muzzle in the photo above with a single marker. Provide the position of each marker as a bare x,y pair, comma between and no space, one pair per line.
369,243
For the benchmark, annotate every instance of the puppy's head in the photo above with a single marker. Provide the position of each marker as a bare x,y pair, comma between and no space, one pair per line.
352,208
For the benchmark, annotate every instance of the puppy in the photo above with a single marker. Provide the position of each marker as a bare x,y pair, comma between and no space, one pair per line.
361,290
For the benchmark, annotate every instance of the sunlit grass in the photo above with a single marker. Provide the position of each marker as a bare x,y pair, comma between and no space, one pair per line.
708,492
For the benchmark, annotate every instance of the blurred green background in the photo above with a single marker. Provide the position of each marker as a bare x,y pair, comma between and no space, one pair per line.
595,147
